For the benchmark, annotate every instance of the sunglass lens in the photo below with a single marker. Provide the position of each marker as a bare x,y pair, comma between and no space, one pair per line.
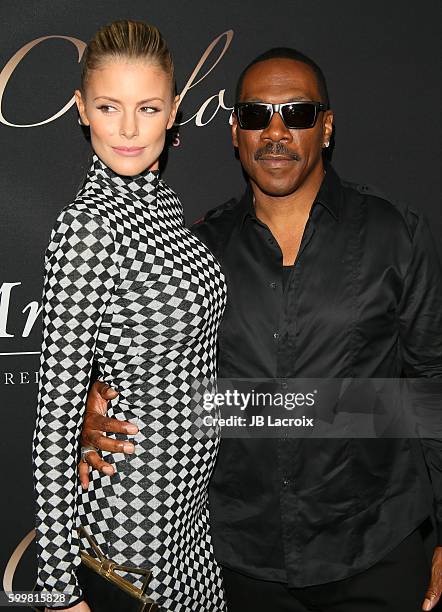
299,115
254,116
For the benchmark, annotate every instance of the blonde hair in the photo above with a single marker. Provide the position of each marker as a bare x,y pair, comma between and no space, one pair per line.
127,39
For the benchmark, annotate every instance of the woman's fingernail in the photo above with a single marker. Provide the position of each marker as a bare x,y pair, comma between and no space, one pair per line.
131,429
427,604
128,448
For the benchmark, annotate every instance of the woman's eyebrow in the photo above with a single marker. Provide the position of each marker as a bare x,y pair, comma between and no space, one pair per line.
118,101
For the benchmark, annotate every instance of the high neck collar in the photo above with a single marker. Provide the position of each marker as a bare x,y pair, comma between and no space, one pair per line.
143,185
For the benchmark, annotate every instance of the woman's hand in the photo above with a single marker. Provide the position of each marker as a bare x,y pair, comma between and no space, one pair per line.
80,607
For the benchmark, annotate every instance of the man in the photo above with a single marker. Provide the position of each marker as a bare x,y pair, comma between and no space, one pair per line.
325,280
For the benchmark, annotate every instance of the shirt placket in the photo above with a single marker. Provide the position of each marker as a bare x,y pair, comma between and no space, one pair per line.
287,447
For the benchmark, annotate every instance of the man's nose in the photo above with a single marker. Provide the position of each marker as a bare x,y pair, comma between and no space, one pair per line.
277,129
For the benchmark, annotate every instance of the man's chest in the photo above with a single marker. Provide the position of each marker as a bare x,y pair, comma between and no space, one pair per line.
336,302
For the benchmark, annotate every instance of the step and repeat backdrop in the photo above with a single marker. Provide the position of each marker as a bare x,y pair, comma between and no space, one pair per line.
382,62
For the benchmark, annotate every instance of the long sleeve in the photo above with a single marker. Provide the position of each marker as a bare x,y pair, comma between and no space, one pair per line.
80,275
421,339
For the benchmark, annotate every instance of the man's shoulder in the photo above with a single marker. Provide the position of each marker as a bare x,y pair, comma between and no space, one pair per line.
217,224
383,208
222,212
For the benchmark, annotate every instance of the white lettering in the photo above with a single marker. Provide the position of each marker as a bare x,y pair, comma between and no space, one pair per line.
199,115
34,311
193,81
200,72
19,378
24,378
11,65
5,293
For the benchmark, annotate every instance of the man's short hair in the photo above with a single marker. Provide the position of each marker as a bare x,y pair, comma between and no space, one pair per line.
293,54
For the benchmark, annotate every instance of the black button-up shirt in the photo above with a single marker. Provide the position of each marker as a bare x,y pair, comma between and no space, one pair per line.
364,299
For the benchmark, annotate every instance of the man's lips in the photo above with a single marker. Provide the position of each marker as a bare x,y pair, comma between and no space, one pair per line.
276,161
277,157
276,153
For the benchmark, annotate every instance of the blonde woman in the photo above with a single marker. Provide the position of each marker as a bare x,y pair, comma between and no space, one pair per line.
128,286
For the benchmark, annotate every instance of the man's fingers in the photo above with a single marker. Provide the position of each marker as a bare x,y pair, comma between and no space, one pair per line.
108,424
108,393
105,390
97,422
116,426
94,460
104,443
83,473
433,594
431,600
92,433
98,397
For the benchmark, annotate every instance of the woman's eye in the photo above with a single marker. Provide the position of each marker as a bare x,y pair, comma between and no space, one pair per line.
147,110
105,108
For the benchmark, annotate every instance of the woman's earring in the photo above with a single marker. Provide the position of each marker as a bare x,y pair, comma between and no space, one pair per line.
326,144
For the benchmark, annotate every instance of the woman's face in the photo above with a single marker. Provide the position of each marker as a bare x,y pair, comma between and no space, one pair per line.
128,105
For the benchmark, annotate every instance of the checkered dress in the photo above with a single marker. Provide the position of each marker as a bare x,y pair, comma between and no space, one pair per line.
127,285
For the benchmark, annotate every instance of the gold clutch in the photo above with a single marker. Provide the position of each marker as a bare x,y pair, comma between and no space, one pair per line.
103,589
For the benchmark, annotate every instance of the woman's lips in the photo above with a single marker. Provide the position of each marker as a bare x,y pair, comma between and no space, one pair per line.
128,151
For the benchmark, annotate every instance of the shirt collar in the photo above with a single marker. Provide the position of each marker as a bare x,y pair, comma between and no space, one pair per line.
330,192
144,185
329,196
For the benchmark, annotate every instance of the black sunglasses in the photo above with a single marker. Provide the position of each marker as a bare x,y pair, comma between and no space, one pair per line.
296,115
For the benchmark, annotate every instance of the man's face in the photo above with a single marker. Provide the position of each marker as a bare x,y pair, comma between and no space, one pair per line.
277,159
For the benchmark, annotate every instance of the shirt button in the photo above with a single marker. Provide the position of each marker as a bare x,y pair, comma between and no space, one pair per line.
273,285
285,482
276,335
284,384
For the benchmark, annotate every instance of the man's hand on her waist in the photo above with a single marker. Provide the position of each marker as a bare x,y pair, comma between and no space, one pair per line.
95,424
432,596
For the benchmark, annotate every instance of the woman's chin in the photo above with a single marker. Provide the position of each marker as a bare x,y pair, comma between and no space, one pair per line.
127,161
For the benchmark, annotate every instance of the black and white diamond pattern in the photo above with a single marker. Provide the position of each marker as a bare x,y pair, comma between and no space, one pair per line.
127,285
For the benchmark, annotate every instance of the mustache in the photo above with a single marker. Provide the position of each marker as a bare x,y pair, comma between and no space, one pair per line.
275,148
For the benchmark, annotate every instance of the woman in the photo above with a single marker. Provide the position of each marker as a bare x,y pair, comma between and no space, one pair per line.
129,287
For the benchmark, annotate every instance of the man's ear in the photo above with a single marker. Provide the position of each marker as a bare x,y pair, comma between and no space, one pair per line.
79,101
327,126
234,130
173,112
